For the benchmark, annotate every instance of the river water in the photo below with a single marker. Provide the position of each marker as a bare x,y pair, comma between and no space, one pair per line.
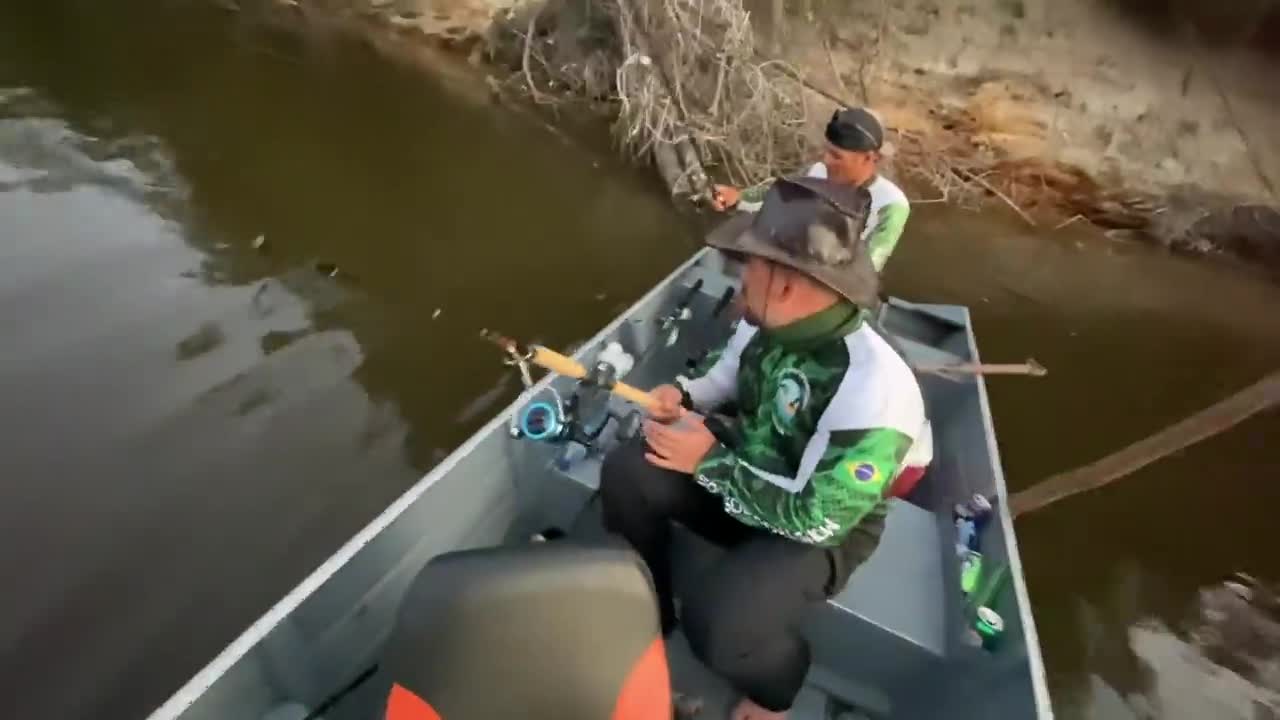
192,423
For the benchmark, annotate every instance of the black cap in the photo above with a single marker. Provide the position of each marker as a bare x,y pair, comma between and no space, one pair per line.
855,129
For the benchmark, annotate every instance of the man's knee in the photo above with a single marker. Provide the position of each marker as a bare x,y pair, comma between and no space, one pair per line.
757,594
718,631
760,652
725,610
621,477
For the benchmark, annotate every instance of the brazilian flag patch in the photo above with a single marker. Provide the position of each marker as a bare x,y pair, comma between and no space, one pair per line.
860,472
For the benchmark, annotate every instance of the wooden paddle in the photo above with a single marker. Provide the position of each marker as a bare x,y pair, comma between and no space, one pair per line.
1214,419
549,359
956,370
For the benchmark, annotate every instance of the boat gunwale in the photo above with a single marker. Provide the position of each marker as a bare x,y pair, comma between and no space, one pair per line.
195,687
1031,638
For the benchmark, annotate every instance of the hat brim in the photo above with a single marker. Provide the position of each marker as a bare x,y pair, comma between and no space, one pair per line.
856,282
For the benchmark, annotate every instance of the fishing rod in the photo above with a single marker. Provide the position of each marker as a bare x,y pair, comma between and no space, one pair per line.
695,359
722,431
670,323
549,359
586,413
669,327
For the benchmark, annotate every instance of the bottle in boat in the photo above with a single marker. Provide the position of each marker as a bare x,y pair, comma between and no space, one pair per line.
970,517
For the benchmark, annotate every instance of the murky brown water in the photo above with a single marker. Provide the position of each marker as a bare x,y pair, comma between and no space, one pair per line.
190,425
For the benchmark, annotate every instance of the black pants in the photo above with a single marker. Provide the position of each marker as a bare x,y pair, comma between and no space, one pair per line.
742,617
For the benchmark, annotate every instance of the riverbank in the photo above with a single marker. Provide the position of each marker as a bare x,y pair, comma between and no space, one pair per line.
1143,122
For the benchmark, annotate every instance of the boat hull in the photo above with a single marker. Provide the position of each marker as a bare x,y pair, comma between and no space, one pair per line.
897,629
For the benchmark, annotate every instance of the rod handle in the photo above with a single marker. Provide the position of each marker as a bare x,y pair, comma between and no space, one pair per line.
567,366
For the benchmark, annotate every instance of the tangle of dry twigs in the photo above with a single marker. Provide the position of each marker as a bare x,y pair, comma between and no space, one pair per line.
744,116
687,81
685,74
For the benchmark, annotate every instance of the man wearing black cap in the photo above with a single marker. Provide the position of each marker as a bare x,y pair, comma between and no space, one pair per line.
853,141
828,417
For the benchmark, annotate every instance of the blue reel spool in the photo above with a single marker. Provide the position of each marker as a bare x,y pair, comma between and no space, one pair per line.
541,421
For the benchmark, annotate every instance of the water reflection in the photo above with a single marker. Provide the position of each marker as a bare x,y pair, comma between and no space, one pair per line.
1218,656
151,439
194,421
1236,624
1190,686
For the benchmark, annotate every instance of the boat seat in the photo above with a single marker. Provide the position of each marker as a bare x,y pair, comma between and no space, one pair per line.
546,630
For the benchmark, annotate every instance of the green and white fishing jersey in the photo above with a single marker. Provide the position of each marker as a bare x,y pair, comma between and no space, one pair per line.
828,416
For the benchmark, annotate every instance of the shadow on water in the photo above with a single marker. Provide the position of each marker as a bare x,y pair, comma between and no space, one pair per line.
192,424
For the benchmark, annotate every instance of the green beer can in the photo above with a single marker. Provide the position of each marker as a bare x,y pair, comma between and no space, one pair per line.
990,627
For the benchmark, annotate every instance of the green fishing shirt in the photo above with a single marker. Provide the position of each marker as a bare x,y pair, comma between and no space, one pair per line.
828,416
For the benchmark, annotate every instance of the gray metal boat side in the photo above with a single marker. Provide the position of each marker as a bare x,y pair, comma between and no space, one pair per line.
891,640
1012,554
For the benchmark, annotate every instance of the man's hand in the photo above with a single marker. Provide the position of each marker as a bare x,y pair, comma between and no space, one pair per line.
678,447
666,403
724,197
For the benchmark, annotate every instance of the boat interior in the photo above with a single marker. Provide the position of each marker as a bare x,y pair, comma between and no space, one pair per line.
894,643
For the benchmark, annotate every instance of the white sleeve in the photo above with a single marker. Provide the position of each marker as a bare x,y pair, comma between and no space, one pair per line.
720,384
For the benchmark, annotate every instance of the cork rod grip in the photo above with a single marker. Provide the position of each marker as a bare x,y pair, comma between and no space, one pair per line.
567,366
557,363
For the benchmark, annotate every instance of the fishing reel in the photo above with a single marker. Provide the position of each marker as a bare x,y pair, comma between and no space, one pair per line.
583,418
541,421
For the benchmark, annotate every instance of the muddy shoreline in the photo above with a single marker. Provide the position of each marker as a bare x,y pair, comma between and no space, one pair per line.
1199,181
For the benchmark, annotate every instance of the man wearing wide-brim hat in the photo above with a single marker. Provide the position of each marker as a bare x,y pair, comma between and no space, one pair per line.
852,144
829,417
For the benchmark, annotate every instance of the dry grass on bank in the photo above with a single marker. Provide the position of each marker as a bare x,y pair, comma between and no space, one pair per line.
684,78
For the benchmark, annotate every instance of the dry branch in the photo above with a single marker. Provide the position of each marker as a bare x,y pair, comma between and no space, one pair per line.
685,77
524,60
1016,208
691,74
692,91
